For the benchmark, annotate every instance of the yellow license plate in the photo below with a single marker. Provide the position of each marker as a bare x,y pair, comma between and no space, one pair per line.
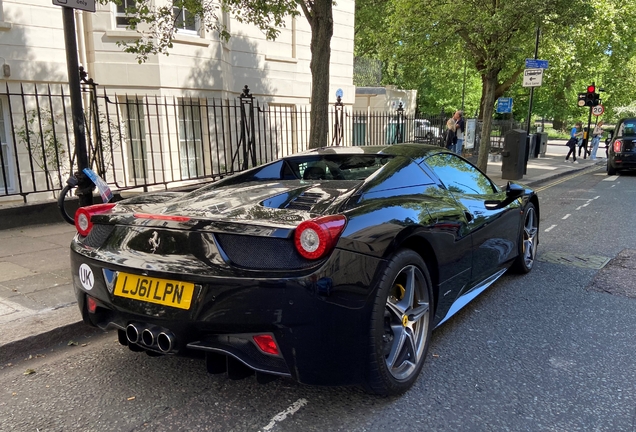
154,290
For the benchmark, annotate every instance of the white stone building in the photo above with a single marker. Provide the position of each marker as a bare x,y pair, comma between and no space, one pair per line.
200,67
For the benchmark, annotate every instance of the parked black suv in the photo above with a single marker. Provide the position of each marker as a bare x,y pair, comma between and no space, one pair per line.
621,154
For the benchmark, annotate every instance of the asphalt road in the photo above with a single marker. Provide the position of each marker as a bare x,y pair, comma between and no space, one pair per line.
550,351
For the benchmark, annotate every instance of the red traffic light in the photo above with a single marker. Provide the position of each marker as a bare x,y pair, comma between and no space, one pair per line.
591,89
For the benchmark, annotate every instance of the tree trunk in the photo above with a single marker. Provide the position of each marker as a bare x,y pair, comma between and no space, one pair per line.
321,20
489,82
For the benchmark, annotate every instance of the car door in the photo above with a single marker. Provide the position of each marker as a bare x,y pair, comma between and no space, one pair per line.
494,232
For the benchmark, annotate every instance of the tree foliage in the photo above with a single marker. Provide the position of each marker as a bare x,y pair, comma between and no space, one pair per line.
157,24
424,45
157,27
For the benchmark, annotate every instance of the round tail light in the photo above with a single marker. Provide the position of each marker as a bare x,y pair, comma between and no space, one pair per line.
315,238
83,216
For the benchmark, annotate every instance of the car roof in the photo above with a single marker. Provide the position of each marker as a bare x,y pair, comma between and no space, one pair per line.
411,150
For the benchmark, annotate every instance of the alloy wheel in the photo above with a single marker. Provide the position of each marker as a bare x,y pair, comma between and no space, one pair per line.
530,229
406,321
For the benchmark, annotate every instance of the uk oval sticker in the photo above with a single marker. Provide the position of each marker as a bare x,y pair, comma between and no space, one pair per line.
86,277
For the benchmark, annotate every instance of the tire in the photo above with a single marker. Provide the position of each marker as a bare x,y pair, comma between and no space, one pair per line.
401,325
528,241
610,169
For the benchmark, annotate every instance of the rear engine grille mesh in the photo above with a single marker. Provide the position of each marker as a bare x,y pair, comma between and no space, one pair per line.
305,201
97,236
262,253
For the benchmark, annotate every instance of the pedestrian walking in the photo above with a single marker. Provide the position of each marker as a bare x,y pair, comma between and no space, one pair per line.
576,135
596,140
583,143
461,126
451,132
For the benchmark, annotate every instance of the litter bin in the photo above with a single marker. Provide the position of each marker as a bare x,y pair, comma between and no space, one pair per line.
543,143
359,130
513,156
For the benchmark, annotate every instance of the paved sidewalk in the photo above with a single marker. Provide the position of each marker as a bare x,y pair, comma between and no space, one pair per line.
37,304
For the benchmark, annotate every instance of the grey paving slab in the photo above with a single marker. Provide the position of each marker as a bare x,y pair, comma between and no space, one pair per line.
38,231
62,295
38,282
16,307
11,271
7,233
62,239
42,261
16,245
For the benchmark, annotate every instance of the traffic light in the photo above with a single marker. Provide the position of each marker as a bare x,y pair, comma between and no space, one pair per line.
591,97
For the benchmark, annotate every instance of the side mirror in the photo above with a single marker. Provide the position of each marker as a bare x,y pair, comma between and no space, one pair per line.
513,192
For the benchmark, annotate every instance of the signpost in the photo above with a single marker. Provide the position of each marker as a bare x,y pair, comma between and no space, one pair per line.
536,64
532,77
504,105
598,110
85,5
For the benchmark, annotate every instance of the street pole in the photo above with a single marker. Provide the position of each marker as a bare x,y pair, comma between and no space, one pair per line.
536,56
85,186
586,135
464,86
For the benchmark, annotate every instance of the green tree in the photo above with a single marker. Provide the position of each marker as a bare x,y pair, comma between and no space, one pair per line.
494,36
600,49
157,25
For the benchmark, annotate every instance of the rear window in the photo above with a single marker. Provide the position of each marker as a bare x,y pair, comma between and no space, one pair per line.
334,167
627,128
315,167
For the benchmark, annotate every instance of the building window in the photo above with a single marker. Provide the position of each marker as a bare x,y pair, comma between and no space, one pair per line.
5,175
121,17
185,21
136,134
190,145
284,47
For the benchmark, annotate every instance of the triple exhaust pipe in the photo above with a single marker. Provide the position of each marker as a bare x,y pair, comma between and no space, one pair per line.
151,337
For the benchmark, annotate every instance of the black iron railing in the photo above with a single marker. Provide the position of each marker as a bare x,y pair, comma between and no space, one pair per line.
148,141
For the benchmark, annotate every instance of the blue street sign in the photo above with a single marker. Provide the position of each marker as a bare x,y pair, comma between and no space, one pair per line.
504,105
339,93
536,64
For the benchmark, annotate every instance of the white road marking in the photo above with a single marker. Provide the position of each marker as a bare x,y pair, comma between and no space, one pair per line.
566,216
611,178
283,414
548,229
586,204
596,197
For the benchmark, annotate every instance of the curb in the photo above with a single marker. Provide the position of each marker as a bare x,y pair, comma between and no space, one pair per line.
40,331
13,351
563,174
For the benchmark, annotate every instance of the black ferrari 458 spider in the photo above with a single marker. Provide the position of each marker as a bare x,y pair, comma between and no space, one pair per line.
331,267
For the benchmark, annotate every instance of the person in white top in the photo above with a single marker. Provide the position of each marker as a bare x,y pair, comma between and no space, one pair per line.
450,139
596,139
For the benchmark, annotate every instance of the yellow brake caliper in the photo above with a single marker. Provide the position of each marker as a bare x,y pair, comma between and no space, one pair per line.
399,295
